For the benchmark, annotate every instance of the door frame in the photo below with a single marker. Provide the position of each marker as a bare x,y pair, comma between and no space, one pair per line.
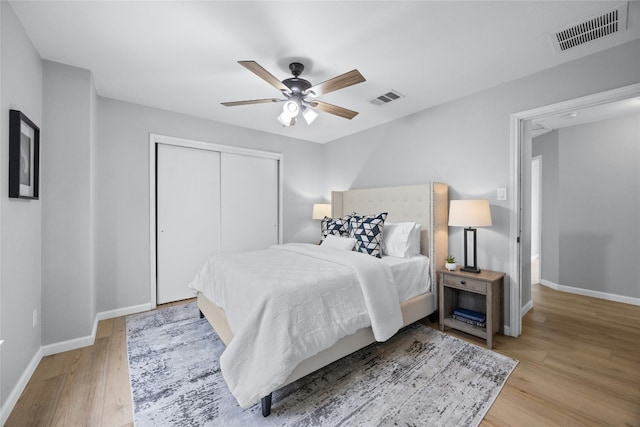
154,141
538,226
516,147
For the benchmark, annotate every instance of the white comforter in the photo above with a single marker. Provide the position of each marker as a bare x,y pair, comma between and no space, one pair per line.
289,302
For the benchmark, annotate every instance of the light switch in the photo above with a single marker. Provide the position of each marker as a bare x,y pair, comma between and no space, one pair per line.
502,194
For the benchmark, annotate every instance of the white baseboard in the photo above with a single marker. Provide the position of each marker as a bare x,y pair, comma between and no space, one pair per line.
90,339
549,284
590,293
13,397
525,308
123,311
60,347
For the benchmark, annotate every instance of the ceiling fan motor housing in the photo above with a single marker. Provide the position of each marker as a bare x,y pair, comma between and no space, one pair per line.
297,86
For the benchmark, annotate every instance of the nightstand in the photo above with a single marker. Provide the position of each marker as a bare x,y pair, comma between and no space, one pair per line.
480,292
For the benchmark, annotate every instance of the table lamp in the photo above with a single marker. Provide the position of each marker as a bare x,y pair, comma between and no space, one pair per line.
470,214
320,210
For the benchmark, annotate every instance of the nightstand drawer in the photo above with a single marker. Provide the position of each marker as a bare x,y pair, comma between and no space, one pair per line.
465,283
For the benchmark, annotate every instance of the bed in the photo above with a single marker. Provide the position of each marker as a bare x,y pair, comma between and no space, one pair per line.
426,205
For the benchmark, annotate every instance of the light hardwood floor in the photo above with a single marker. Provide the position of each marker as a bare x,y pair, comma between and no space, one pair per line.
579,366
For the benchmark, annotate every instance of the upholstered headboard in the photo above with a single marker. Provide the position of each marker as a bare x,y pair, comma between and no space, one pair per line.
426,204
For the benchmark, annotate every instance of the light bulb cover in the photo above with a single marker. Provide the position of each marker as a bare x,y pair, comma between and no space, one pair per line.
286,120
309,115
291,108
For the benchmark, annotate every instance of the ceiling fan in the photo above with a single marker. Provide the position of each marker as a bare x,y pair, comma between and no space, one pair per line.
299,94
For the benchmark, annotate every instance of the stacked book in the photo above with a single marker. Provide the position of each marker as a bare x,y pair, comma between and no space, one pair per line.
471,317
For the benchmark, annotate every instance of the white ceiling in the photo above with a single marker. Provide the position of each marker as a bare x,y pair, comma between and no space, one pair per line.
182,55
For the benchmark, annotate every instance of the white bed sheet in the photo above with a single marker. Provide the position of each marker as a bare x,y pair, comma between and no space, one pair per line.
276,325
411,275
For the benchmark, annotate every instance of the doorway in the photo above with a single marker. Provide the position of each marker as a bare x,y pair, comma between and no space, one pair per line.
520,154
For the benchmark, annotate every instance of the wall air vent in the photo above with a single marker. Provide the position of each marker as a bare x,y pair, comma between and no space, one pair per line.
604,24
386,98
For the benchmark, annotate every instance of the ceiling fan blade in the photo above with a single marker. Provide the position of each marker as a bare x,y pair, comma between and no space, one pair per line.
252,101
344,80
259,71
333,109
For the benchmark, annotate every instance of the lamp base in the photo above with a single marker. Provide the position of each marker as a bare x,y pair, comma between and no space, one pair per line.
470,268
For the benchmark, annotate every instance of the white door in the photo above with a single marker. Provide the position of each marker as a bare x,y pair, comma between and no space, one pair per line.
249,202
188,217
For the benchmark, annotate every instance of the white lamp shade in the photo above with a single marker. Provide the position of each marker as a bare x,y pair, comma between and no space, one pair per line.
469,213
291,108
320,210
286,120
309,115
290,111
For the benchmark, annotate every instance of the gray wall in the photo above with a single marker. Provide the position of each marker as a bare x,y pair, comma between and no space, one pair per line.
547,146
66,204
122,190
96,243
596,212
20,241
466,143
88,251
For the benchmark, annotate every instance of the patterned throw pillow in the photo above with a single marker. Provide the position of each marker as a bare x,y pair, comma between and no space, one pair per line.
335,226
367,230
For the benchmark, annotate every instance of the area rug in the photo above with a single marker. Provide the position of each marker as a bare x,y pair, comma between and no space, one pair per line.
420,377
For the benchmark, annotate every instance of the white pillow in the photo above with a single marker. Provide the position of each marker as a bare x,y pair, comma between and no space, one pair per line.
337,242
414,241
401,239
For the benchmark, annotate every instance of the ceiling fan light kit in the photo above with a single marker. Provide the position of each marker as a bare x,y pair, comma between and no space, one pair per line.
297,92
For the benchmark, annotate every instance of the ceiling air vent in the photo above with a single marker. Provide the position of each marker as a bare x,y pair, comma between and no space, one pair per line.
610,22
386,98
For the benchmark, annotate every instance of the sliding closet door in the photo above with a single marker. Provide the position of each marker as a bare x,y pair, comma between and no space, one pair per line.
249,202
188,216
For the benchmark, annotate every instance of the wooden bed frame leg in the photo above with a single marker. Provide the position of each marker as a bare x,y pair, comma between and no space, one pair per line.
266,405
201,314
433,317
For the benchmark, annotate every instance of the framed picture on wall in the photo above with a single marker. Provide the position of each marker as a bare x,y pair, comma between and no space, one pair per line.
24,156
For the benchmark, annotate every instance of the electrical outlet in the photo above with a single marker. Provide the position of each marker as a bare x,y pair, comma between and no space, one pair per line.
502,194
35,317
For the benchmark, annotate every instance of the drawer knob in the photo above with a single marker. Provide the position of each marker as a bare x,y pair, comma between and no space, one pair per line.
462,282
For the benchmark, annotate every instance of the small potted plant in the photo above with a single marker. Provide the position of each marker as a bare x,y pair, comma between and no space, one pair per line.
451,263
